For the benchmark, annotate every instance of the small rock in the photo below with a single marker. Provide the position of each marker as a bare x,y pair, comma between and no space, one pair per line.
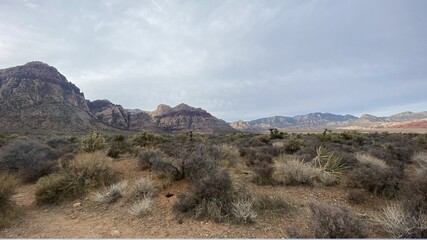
115,233
73,217
77,204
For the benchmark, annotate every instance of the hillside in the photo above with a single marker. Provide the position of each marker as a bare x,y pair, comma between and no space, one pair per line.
36,97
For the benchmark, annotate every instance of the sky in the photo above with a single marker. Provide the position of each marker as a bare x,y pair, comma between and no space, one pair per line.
236,59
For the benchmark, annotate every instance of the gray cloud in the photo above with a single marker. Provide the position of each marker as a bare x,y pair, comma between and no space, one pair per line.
236,59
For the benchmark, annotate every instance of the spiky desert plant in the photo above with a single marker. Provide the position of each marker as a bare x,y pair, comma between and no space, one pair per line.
329,161
92,142
143,188
242,210
142,207
400,223
112,193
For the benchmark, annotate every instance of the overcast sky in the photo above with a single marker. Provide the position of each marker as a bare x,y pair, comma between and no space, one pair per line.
236,59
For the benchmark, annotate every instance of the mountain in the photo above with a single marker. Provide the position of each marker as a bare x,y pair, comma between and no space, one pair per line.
308,121
164,118
36,97
317,121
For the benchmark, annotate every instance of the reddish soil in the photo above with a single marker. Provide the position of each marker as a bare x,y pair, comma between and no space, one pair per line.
94,220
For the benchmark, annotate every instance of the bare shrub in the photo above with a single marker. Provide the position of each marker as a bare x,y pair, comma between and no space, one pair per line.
385,182
369,160
400,223
31,159
335,222
143,188
112,193
142,207
210,197
201,161
160,162
273,202
264,174
242,210
356,196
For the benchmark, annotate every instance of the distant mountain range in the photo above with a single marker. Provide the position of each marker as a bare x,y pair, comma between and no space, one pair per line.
316,121
36,97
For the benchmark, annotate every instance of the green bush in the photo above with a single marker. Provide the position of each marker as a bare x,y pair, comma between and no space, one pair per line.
92,142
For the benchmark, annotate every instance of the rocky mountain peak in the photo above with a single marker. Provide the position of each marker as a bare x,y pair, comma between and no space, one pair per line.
162,109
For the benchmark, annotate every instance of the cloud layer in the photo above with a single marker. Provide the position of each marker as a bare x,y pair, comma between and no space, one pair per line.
236,59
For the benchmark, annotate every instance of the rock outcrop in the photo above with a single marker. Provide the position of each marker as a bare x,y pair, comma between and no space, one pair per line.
36,97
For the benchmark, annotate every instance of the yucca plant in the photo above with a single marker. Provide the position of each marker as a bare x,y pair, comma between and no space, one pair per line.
329,162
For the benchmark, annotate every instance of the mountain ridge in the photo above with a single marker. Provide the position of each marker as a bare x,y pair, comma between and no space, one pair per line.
37,97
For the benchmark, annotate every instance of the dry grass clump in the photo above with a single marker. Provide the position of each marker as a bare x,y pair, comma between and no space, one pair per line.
8,184
400,223
420,159
142,207
335,222
242,210
273,202
85,171
296,172
369,160
112,193
143,188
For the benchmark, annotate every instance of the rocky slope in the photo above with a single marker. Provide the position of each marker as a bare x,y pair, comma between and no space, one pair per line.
35,97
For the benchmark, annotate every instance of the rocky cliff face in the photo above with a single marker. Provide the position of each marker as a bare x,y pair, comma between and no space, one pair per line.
164,118
36,97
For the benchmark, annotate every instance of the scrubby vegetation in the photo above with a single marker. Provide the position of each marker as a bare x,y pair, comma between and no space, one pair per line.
235,178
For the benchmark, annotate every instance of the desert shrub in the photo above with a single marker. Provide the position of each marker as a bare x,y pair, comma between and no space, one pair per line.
160,162
414,191
335,222
8,184
113,152
85,171
143,188
242,210
356,196
293,145
56,187
229,155
146,139
35,171
295,172
142,207
92,168
62,146
264,174
111,193
385,182
201,161
370,161
210,197
31,159
273,202
401,223
92,142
